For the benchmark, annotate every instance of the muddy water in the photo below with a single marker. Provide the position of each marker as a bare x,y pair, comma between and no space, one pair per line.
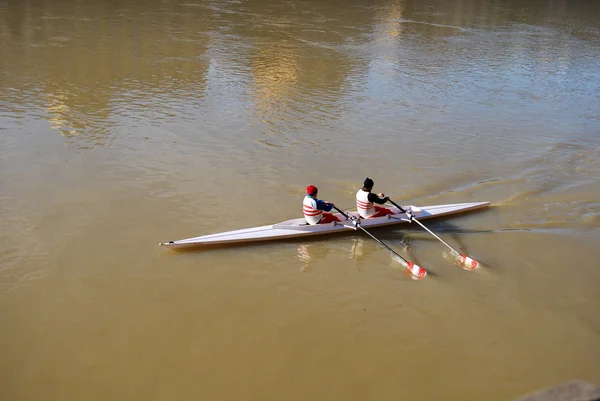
123,124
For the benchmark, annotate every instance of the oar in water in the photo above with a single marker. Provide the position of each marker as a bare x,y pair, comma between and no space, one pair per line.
466,262
416,272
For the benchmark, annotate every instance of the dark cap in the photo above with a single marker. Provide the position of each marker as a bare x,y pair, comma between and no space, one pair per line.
368,183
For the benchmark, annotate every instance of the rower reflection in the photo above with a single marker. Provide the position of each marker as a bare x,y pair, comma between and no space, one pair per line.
359,250
309,254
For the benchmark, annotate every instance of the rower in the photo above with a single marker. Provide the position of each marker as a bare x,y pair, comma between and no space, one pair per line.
316,210
365,201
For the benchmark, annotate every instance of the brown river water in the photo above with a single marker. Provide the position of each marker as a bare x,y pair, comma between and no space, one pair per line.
127,123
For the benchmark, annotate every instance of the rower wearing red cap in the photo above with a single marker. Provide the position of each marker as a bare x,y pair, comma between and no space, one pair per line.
316,210
365,200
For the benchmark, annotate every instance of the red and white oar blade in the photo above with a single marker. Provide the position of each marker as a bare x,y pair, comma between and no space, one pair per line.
416,272
467,263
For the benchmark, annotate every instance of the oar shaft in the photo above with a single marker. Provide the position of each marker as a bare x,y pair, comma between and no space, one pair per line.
425,228
382,243
397,205
467,262
368,233
416,272
432,233
342,212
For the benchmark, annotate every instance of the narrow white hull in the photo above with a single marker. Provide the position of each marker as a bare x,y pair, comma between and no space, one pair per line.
297,228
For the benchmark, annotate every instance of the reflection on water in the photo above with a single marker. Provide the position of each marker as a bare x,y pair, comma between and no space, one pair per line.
275,79
100,65
359,250
305,257
95,67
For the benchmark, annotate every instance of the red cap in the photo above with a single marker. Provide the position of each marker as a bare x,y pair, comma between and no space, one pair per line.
311,190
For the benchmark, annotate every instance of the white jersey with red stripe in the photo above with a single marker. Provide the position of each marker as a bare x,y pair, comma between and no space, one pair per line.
365,208
311,213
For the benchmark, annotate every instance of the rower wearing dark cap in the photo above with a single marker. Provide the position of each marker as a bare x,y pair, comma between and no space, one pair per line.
316,210
365,201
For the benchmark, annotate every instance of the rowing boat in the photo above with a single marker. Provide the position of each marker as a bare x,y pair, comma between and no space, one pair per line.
296,228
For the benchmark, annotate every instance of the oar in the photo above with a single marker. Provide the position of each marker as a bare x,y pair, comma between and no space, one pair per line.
466,262
416,272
